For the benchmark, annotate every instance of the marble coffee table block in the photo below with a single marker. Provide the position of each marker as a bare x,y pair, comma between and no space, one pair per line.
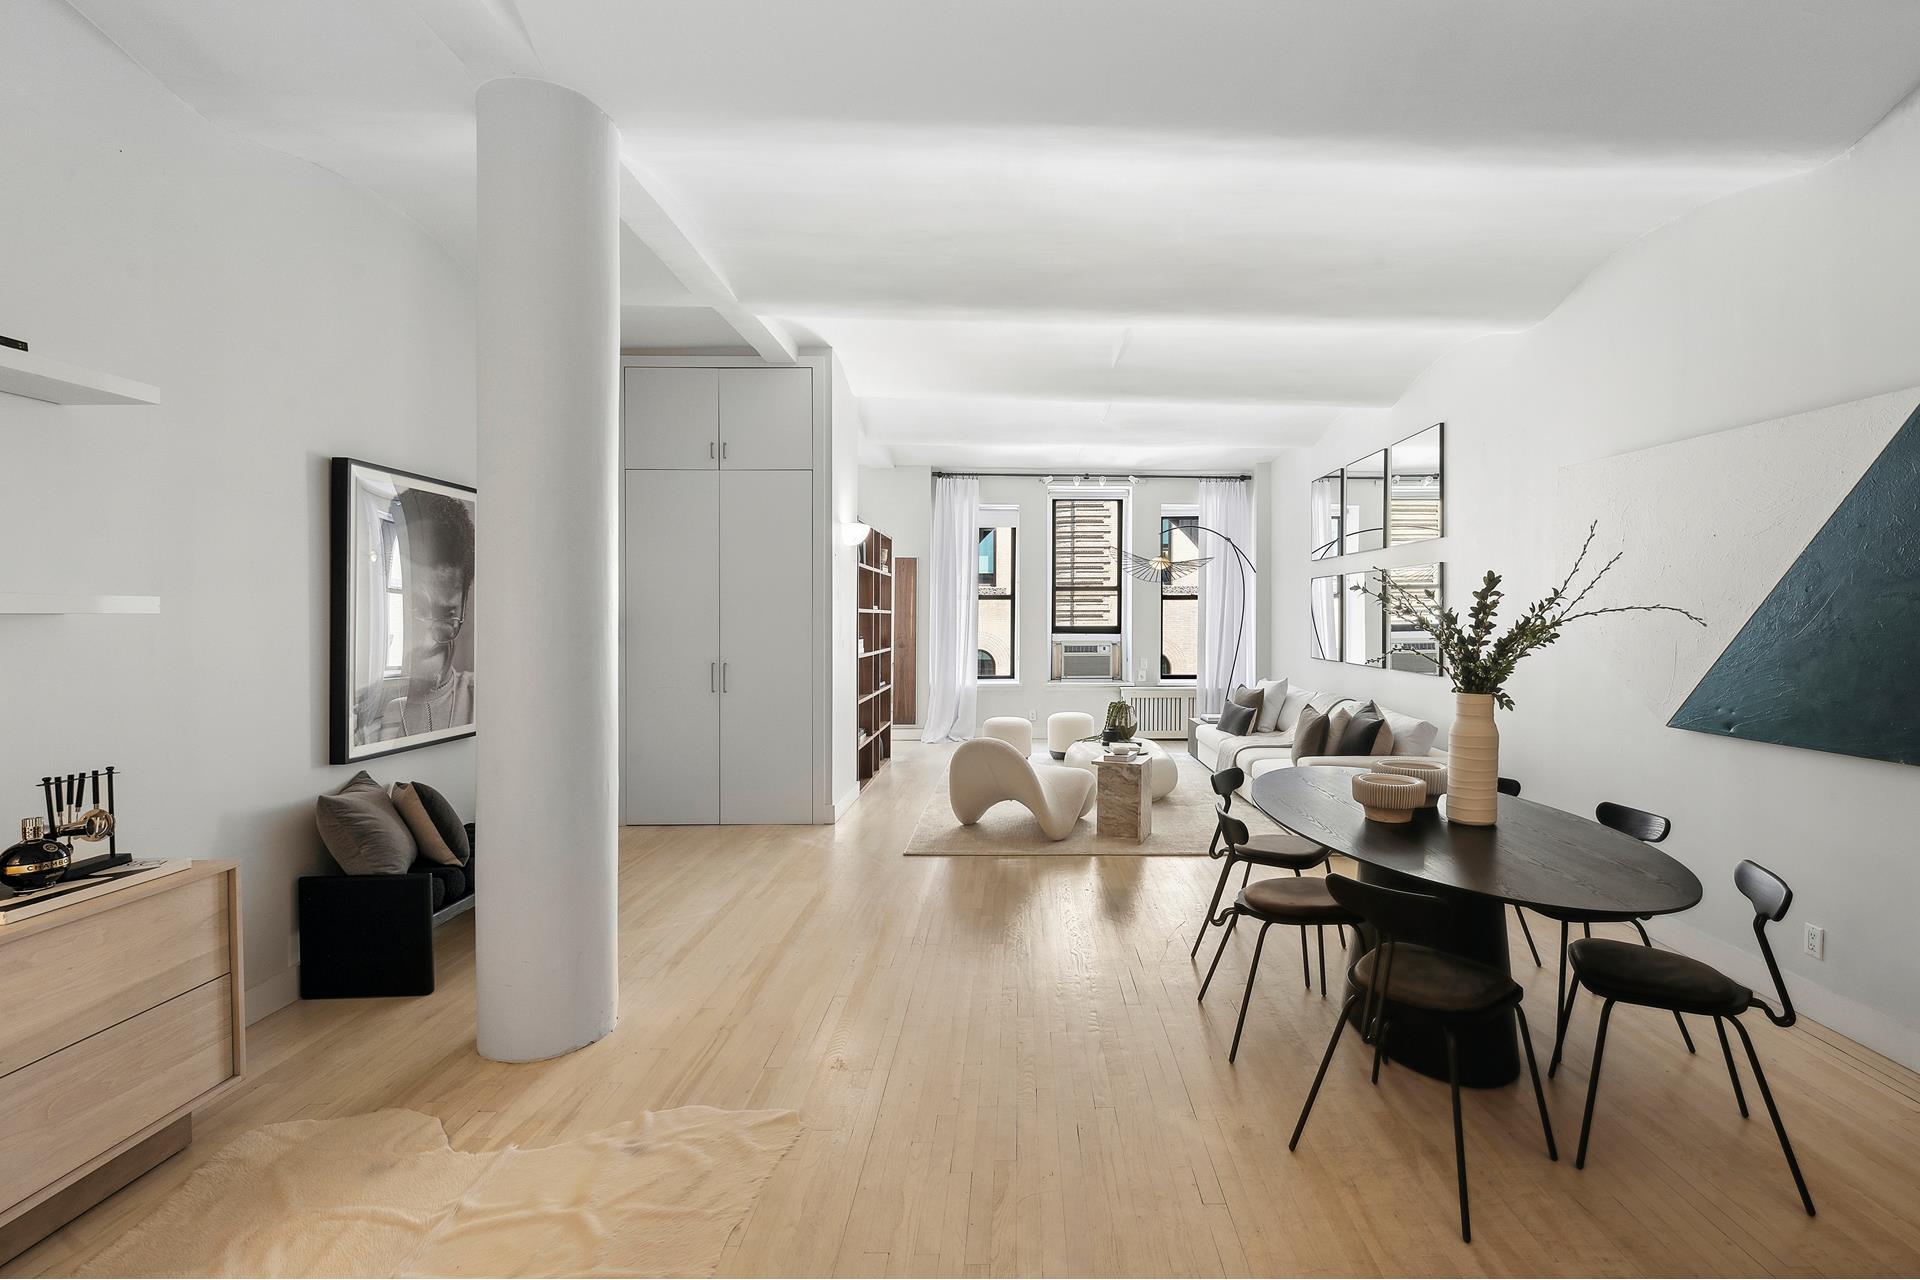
1124,798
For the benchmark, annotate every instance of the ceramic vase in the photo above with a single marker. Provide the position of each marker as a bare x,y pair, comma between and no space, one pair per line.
1473,762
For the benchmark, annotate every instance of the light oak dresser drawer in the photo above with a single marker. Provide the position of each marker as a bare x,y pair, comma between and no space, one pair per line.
65,984
68,1106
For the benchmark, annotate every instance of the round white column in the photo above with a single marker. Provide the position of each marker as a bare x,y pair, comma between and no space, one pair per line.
545,630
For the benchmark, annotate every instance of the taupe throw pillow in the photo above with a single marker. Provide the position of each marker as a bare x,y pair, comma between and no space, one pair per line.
1310,734
363,831
433,822
1248,698
1236,719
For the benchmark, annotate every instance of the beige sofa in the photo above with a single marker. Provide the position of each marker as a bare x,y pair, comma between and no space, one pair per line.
1262,752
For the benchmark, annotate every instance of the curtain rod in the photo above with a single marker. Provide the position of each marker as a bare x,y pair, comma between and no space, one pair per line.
1111,476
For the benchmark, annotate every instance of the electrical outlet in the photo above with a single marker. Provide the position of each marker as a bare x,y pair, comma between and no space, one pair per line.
1816,942
1033,714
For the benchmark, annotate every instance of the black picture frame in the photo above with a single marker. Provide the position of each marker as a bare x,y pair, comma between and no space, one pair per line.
347,740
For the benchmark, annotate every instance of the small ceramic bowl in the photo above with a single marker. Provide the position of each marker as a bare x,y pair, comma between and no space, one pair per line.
1431,772
1389,797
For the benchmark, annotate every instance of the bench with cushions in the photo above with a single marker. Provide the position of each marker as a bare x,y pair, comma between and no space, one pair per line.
405,865
1280,709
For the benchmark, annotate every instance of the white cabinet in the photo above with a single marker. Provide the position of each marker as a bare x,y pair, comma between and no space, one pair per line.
726,419
766,661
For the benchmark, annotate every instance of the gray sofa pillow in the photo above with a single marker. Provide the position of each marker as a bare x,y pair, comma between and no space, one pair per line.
1310,735
1236,719
1412,736
363,831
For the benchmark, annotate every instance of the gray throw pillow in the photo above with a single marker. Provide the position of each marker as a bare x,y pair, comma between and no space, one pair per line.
1360,737
1236,719
363,831
1310,734
433,822
1247,698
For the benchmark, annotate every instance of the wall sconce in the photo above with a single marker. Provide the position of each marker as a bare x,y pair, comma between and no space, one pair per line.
853,533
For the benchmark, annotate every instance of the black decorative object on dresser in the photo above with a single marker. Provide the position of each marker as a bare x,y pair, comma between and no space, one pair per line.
368,930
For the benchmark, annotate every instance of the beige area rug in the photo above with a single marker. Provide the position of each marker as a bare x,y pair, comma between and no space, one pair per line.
386,1195
1182,825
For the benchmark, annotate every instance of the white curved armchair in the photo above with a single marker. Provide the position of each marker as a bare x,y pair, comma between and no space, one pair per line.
985,771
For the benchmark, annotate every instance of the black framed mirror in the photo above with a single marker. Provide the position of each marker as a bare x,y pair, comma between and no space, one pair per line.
1363,621
1416,498
1323,617
1410,646
1323,505
1363,504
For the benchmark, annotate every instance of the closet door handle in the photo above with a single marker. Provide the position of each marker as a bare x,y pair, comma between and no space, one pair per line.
723,677
710,448
723,451
712,684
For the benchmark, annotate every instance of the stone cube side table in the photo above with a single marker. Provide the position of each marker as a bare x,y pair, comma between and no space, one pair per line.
1123,794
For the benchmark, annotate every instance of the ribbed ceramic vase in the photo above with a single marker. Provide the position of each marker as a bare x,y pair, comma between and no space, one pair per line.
1473,762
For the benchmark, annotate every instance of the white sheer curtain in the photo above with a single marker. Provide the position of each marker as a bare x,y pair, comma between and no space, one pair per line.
953,615
1226,593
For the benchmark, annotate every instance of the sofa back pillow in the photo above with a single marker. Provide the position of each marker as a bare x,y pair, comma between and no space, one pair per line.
1362,735
1412,736
1310,734
1247,696
1273,697
1296,701
363,831
434,823
1236,719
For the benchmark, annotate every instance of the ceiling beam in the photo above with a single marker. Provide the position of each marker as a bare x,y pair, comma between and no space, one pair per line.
657,226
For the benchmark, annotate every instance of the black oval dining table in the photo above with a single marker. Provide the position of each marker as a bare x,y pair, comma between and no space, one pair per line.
1534,856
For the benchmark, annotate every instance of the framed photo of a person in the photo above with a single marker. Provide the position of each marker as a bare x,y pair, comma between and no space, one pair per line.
402,611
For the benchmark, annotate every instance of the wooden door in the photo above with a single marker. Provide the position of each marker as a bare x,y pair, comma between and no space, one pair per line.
906,640
766,419
670,722
671,418
766,650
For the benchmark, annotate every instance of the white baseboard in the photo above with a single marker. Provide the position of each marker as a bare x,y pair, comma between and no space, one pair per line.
1870,1027
846,802
276,993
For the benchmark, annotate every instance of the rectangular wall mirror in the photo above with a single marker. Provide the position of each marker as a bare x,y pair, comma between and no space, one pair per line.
1323,613
1410,646
1363,621
1416,506
1323,502
1363,504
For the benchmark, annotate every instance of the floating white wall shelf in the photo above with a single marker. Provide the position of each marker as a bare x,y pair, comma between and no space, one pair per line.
22,373
25,602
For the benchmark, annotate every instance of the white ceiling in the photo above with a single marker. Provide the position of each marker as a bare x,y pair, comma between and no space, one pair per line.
1084,232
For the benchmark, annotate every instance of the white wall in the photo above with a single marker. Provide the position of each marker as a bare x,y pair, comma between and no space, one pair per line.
843,453
1777,300
286,317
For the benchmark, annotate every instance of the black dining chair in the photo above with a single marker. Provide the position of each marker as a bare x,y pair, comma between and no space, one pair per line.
1302,902
1281,850
1511,787
1622,973
1405,983
1641,825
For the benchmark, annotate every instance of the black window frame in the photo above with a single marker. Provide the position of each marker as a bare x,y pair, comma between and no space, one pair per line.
1118,629
1186,589
1012,552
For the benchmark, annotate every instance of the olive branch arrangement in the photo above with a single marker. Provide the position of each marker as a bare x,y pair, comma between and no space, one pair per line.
1470,655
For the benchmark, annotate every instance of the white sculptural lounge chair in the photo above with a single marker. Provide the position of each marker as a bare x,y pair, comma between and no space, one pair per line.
986,771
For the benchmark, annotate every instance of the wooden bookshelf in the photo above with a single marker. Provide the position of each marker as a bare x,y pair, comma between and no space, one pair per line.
874,626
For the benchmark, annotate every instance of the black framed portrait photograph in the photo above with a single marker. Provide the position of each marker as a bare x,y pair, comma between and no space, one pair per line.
403,598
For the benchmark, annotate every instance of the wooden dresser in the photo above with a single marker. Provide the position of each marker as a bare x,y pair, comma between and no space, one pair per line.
118,1017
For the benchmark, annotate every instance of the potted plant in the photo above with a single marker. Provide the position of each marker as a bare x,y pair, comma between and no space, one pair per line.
1120,724
1479,664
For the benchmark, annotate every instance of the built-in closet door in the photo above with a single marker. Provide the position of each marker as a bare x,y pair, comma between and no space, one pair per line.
670,739
766,647
766,419
671,418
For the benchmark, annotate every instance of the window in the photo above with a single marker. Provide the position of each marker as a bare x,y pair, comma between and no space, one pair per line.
1086,565
1179,598
997,600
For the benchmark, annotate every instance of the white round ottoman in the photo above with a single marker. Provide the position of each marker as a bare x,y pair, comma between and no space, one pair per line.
1064,728
1162,772
1015,731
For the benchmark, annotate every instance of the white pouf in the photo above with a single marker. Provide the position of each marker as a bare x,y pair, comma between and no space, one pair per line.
1163,773
1064,728
1015,731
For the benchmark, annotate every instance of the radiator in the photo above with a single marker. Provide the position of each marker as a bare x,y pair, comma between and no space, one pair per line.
1160,712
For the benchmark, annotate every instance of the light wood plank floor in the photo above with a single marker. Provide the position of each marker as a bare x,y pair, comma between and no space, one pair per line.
1001,1069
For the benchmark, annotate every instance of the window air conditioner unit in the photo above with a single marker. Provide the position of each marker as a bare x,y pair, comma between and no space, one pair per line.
1086,660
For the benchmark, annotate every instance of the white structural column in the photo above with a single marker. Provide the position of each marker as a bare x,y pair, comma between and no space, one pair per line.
546,632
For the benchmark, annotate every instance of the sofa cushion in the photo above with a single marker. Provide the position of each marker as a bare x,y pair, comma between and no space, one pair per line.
1412,736
1296,701
1310,735
435,825
1236,719
1273,697
450,884
363,831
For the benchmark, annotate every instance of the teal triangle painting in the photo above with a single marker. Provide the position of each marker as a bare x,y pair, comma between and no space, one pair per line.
1830,661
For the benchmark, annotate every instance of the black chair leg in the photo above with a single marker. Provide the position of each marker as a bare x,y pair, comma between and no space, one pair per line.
1225,938
1246,997
1766,1096
1593,1084
1560,998
1320,942
1533,1069
1333,1042
1733,1074
1380,1046
1562,1015
1212,907
1246,873
1459,1137
1306,965
1678,1021
1525,932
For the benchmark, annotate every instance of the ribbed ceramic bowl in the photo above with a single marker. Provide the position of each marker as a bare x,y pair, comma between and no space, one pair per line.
1389,797
1431,772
